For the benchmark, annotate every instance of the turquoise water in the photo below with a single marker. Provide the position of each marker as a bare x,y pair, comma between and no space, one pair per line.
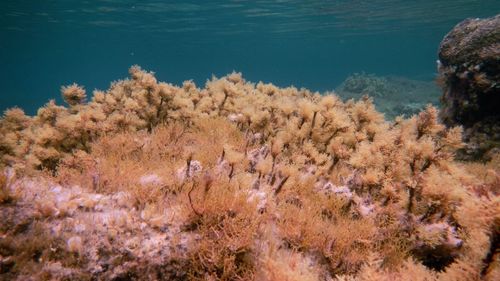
313,44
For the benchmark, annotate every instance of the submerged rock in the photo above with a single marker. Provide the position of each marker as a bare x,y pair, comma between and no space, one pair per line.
392,95
469,71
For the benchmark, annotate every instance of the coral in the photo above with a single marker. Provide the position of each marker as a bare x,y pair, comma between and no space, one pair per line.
240,181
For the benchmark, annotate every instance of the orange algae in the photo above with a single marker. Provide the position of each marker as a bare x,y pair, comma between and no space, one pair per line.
239,181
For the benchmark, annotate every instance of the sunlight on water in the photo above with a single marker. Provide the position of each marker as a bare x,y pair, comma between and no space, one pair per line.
293,18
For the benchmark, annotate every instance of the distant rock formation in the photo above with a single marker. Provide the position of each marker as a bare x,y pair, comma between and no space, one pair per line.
469,72
393,96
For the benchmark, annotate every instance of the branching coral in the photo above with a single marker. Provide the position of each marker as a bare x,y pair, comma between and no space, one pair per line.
242,181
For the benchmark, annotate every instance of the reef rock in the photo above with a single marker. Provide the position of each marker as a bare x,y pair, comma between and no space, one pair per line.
394,96
469,71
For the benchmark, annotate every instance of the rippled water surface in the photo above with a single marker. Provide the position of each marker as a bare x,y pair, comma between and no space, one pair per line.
313,44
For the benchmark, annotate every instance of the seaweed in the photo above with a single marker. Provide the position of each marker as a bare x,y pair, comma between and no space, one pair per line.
241,181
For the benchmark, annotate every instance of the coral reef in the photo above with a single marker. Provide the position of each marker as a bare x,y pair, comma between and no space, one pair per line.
393,96
469,72
239,181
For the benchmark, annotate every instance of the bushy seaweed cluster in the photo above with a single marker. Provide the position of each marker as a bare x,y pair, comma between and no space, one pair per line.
239,181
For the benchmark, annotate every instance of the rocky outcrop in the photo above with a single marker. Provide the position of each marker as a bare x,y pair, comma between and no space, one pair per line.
394,96
469,72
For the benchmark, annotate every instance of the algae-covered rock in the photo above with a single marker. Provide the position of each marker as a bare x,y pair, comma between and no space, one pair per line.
238,181
394,96
469,69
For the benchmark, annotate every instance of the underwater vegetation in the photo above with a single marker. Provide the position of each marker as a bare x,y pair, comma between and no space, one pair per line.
239,181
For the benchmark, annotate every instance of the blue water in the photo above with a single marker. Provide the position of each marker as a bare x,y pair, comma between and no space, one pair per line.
309,43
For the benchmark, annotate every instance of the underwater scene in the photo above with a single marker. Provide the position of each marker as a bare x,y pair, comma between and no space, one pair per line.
250,140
